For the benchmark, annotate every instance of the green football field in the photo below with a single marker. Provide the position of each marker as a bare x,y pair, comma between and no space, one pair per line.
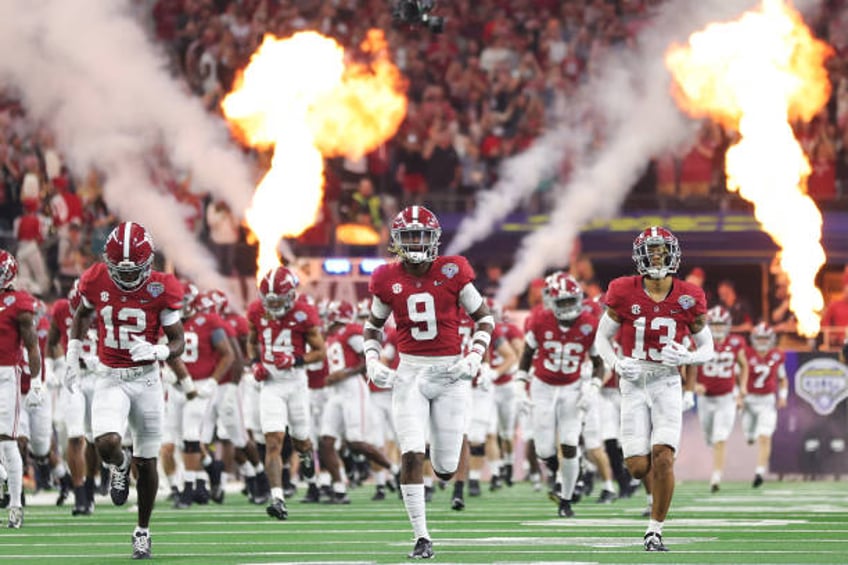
788,522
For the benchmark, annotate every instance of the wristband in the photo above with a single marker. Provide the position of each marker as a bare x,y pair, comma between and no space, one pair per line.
783,393
298,361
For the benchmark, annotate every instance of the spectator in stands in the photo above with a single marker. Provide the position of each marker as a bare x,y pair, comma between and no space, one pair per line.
223,235
834,320
442,170
30,230
739,308
74,257
411,169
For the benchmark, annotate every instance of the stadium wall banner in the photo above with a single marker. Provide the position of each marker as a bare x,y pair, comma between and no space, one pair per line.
813,428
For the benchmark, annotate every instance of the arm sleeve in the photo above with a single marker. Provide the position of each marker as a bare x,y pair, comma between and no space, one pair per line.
169,317
379,308
469,298
704,344
607,329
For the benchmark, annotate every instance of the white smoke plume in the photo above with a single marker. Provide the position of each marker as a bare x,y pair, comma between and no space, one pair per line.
87,70
631,98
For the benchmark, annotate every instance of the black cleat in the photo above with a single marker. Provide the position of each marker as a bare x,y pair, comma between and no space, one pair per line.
607,497
423,549
495,484
289,490
313,495
565,510
380,493
758,481
119,482
5,497
141,546
65,488
428,494
277,509
457,503
506,474
201,493
217,494
588,484
473,488
653,542
174,495
338,498
86,510
714,488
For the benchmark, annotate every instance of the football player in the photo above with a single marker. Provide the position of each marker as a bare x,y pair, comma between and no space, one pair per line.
721,385
650,313
133,304
17,334
557,341
281,328
767,378
425,292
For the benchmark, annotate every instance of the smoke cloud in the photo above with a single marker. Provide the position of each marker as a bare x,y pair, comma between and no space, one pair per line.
87,69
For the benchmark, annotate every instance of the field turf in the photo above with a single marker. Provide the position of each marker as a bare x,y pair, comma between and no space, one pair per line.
783,522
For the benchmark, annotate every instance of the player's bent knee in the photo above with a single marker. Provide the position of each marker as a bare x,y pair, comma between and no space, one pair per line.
638,466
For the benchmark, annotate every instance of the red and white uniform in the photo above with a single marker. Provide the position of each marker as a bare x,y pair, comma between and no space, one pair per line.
316,376
12,303
560,351
228,406
382,426
717,407
127,390
203,331
284,398
651,408
504,391
427,317
346,414
480,408
759,414
36,421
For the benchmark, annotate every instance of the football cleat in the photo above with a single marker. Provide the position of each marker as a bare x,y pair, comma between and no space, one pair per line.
277,509
606,497
428,494
457,503
473,487
313,495
174,495
64,489
83,510
380,493
119,479
16,517
714,488
653,542
758,481
506,474
141,545
495,484
339,498
423,549
201,493
289,490
565,510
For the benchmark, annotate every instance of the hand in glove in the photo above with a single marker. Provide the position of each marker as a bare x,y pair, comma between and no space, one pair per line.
35,396
144,351
688,400
283,360
522,396
590,390
486,377
675,354
628,369
54,373
260,372
72,364
72,377
379,374
467,367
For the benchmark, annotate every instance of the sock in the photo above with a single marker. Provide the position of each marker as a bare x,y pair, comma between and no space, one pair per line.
570,470
89,489
59,471
339,488
380,478
650,498
80,497
474,475
654,526
277,492
716,478
428,482
609,486
760,470
173,480
260,468
324,479
15,470
413,499
247,469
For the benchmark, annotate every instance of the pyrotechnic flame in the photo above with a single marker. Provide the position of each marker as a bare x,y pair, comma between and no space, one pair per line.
756,75
301,96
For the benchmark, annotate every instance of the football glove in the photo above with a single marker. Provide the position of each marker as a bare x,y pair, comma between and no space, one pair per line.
467,367
628,369
283,360
260,372
141,350
35,396
590,390
379,374
522,395
688,400
186,385
54,373
486,377
675,354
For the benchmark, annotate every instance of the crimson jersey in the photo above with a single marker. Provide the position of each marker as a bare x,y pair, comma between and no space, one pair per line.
426,308
594,306
341,351
60,314
718,375
122,315
763,370
42,328
12,303
286,334
647,326
237,328
502,332
200,356
560,350
316,373
389,344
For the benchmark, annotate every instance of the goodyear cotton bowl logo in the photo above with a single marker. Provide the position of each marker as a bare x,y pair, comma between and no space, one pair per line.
686,301
823,383
450,270
155,289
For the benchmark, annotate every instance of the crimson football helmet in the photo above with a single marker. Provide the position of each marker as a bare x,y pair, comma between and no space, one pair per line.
340,312
8,268
219,297
190,292
719,320
204,303
495,309
278,291
415,235
763,338
656,252
563,295
128,255
363,309
74,297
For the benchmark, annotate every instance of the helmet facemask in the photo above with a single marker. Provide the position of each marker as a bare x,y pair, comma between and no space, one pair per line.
128,275
566,309
278,304
656,253
416,244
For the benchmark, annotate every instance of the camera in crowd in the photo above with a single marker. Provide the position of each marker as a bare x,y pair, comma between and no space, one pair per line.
418,12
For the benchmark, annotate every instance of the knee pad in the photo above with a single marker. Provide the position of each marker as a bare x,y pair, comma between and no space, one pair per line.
191,447
478,450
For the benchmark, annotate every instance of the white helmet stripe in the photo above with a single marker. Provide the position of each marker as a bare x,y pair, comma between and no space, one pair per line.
415,214
127,236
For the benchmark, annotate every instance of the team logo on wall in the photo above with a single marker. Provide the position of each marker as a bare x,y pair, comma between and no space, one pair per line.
450,270
823,383
155,289
635,310
686,301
